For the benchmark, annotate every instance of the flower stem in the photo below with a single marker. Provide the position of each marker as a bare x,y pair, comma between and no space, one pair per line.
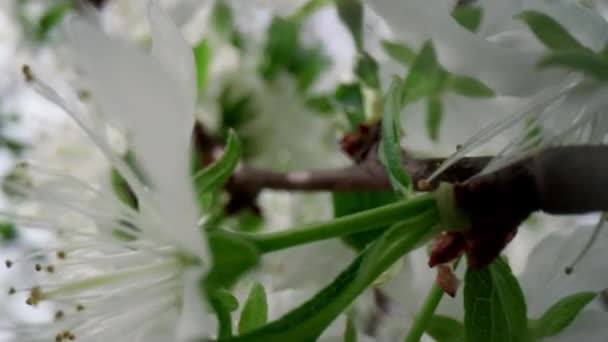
431,303
362,221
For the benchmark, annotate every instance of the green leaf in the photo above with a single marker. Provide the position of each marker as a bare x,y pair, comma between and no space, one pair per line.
549,31
585,62
351,14
281,46
202,57
445,329
367,71
390,153
122,190
560,315
426,77
350,202
222,18
321,103
307,322
8,231
468,86
468,17
307,65
350,331
399,52
232,256
309,8
434,115
255,311
215,175
350,98
495,309
224,303
52,17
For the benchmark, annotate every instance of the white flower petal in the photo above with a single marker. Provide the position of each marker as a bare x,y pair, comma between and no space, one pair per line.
544,281
170,48
138,93
195,321
506,71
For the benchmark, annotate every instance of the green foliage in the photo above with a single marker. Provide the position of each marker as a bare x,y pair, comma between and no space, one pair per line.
468,86
350,99
426,76
350,331
560,315
366,70
52,17
8,231
222,20
390,153
202,59
351,14
433,117
284,52
346,203
214,176
255,311
588,63
224,303
445,329
468,17
308,321
495,309
549,31
399,52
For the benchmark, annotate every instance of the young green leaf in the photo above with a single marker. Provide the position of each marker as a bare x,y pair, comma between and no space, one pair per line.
549,31
224,303
468,86
350,98
495,309
391,137
351,14
582,61
468,17
307,322
350,331
281,46
232,256
255,311
434,115
215,175
52,17
350,202
560,315
399,52
202,57
8,231
445,329
426,77
367,71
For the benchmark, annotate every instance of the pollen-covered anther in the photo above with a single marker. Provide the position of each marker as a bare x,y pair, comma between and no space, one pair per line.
50,268
61,255
8,263
27,73
11,291
424,185
59,315
79,307
38,267
35,296
58,337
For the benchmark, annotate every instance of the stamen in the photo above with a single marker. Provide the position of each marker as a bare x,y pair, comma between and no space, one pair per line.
8,263
27,73
588,245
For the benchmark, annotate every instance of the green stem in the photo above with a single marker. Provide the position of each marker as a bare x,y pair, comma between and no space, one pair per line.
431,303
362,221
